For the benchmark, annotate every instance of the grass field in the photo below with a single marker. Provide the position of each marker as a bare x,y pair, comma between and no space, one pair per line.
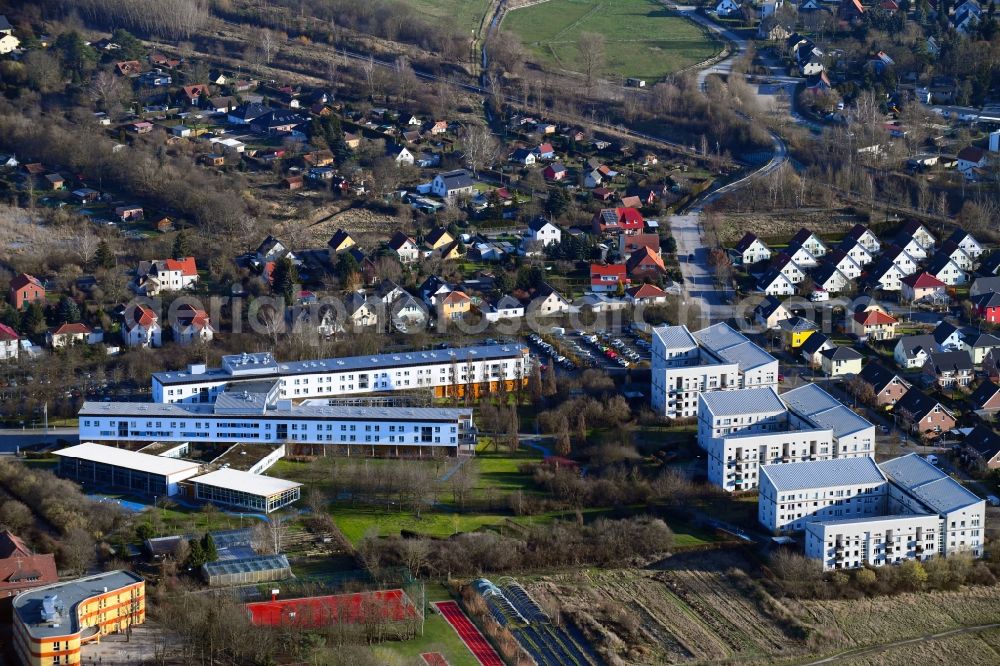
643,39
466,15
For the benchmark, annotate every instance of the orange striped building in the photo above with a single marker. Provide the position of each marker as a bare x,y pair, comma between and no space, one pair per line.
53,623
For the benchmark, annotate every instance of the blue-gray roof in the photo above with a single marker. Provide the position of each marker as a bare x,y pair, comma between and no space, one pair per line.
719,336
809,399
675,337
747,355
823,473
362,363
876,519
742,401
935,489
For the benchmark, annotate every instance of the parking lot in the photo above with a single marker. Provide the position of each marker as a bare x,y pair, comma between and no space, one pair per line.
579,350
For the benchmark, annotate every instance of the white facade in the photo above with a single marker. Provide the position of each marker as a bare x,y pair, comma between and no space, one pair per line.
755,252
734,461
546,234
142,335
9,349
357,375
875,541
712,359
792,496
277,422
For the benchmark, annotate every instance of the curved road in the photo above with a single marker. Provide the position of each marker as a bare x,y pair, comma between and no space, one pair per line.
699,284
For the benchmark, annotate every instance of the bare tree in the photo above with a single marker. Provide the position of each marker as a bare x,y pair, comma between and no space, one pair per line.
593,54
86,246
479,146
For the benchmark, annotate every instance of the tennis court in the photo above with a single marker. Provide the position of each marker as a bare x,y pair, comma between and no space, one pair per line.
387,605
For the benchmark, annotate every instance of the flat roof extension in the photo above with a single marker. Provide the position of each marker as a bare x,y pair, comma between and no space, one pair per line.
140,462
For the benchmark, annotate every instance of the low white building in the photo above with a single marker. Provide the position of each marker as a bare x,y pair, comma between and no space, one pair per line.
246,490
712,359
9,344
107,467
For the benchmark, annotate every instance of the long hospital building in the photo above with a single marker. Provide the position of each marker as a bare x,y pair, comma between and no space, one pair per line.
448,372
255,412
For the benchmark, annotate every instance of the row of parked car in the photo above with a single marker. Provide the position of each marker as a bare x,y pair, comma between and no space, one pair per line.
557,357
615,349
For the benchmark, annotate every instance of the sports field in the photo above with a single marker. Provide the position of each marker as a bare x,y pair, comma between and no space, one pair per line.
463,14
388,605
643,40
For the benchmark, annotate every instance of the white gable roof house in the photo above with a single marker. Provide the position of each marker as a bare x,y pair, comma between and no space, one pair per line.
802,257
856,251
727,8
542,231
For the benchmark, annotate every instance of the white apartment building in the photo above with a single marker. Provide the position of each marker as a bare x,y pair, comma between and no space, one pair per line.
256,413
716,358
810,406
792,496
854,512
743,429
446,371
917,486
873,541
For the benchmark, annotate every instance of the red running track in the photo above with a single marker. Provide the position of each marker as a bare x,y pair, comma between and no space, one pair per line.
391,605
434,659
469,633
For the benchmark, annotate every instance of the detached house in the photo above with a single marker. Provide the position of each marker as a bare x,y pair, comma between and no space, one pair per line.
644,263
829,279
949,369
874,324
801,256
923,415
984,285
977,344
646,294
986,397
67,335
548,301
453,305
815,344
884,275
770,312
843,263
861,255
918,232
340,242
967,242
982,447
750,250
608,277
154,277
544,232
944,269
987,307
866,238
438,238
503,307
923,286
192,326
970,160
809,241
24,290
912,351
618,221
451,185
904,261
784,265
840,361
887,386
140,327
9,343
405,248
958,255
774,283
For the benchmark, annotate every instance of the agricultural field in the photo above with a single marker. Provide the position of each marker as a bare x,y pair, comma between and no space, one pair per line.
466,15
643,39
702,607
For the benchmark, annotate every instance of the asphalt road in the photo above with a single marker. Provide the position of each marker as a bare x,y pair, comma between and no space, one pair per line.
11,439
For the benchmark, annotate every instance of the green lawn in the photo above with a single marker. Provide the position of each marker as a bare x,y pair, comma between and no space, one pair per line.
438,636
467,15
354,521
643,40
